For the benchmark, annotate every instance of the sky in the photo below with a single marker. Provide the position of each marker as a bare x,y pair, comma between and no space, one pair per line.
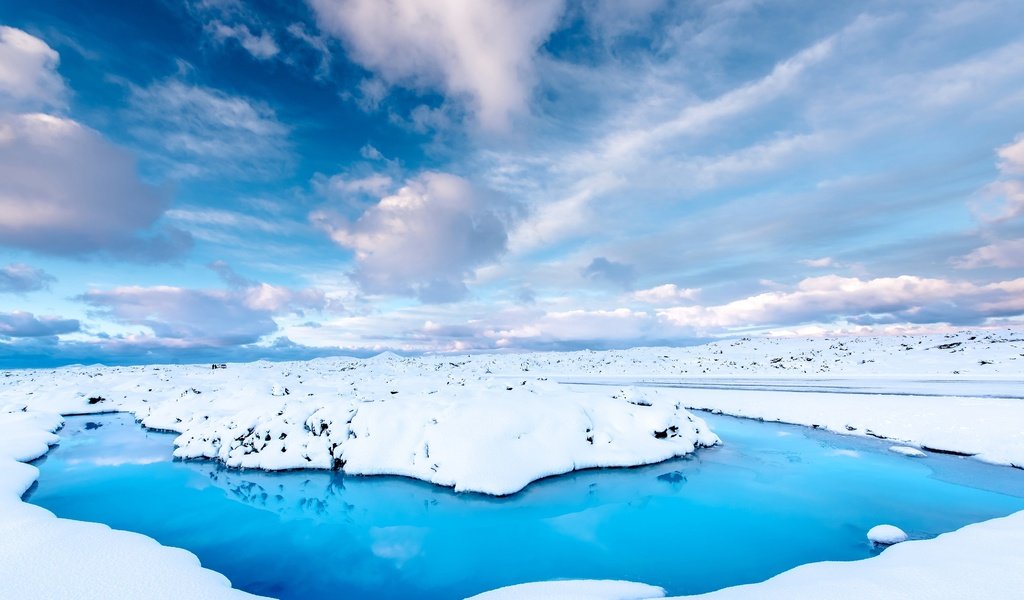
230,180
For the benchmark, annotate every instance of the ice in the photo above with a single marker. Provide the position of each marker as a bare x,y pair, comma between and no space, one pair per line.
907,451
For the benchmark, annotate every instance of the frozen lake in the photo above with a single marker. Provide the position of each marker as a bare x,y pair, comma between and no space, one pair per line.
770,498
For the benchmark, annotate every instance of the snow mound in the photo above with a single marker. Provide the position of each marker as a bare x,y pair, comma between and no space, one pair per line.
574,590
486,437
886,535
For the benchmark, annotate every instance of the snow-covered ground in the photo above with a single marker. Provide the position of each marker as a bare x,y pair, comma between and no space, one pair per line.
494,423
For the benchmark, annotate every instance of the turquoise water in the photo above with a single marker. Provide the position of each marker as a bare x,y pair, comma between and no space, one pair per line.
772,497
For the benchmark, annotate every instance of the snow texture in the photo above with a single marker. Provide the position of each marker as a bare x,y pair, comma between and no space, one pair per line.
886,535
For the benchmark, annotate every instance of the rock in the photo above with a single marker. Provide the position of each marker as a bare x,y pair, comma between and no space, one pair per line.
886,535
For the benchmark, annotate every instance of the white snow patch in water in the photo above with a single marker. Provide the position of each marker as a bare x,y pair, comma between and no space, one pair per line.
907,451
886,535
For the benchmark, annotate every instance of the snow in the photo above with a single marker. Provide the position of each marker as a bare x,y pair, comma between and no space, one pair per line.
450,423
907,451
494,423
886,535
574,590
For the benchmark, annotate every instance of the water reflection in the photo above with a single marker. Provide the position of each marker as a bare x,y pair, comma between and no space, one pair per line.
690,524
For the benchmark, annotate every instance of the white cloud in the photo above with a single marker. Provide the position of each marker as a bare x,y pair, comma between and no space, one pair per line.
260,46
184,317
20,278
424,239
64,189
1004,254
1011,157
668,293
342,185
28,73
998,205
819,263
21,324
907,298
481,53
202,132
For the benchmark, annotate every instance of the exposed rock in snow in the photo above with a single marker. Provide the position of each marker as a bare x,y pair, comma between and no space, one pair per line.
886,535
907,451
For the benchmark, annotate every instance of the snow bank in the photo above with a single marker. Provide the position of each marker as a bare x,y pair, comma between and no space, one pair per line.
42,556
989,429
886,535
574,590
984,560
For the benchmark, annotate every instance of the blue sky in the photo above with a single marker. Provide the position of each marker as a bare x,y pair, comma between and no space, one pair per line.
238,179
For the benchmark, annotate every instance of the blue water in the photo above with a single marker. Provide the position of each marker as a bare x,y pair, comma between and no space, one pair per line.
772,497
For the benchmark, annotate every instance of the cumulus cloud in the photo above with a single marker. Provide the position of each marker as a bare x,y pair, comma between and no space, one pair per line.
20,324
260,46
666,294
618,273
28,73
183,317
196,131
481,53
64,189
906,298
425,239
20,278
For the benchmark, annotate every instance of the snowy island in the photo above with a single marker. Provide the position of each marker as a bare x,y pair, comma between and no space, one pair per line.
493,423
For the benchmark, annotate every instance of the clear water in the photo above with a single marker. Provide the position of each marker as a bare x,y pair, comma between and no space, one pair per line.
772,497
